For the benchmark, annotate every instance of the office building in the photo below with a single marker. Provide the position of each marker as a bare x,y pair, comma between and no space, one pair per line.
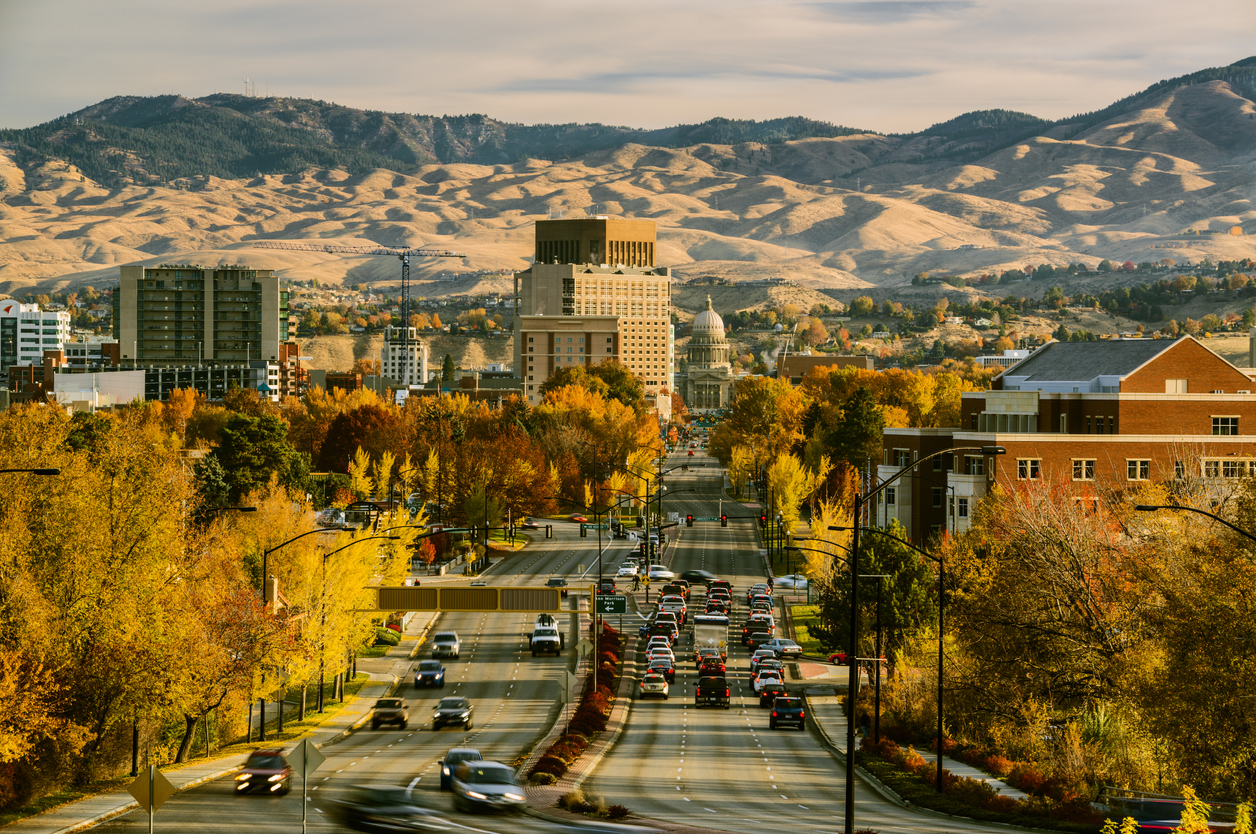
594,294
26,332
403,357
1096,415
190,315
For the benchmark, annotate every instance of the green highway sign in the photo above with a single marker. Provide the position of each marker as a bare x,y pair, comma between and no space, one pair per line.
612,604
706,518
594,526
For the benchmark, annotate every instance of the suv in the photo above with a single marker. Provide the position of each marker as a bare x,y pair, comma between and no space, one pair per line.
265,769
390,711
557,582
756,639
546,639
452,711
770,692
445,644
429,673
787,711
712,692
757,622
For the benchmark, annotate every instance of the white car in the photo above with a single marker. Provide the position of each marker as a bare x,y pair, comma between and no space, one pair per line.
660,572
658,641
659,653
627,570
792,582
766,676
759,656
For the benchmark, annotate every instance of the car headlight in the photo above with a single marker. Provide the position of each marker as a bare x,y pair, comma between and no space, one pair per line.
277,777
466,715
244,777
445,770
516,797
475,795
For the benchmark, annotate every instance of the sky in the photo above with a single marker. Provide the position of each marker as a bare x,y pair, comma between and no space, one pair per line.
882,65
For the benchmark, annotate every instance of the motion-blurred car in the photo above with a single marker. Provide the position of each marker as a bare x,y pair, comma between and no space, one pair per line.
384,808
791,582
660,572
265,771
429,673
451,760
390,711
452,711
579,518
702,576
530,524
488,786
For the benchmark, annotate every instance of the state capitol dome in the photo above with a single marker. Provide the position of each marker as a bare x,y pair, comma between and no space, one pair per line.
708,347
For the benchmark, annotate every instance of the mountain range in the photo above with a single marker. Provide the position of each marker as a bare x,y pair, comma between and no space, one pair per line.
830,207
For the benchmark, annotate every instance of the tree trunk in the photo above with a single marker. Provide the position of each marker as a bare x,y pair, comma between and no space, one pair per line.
283,691
305,690
248,735
205,721
189,733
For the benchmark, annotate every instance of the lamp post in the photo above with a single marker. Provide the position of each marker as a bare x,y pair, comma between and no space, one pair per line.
857,511
323,614
32,471
266,553
1147,508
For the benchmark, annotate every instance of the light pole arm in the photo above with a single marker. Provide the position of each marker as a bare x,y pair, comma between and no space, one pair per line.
308,533
906,544
985,450
1146,508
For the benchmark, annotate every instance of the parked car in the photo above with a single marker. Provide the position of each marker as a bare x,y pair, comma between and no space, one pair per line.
264,771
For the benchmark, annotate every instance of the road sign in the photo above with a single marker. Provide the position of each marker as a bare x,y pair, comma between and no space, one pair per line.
568,686
305,758
612,604
707,518
151,790
584,647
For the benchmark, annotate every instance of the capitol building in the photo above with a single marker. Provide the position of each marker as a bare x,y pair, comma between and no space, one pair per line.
709,378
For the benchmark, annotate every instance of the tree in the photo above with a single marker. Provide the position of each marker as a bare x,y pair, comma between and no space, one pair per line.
790,483
375,428
862,306
447,369
815,334
366,367
253,449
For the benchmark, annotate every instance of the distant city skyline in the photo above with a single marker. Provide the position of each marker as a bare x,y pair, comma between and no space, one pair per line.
883,65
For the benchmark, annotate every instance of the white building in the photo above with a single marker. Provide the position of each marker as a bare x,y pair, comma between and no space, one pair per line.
408,368
26,332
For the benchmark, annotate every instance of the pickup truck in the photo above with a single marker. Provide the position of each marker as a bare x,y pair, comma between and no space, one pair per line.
546,637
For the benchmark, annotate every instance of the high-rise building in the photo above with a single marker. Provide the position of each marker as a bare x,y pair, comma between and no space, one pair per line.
26,332
403,357
593,293
188,315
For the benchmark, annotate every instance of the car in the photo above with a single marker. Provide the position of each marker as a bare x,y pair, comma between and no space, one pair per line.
557,582
667,631
721,584
838,657
451,760
770,692
691,453
626,570
653,685
658,640
264,771
761,599
383,808
755,590
446,644
712,691
757,622
702,576
577,517
716,606
666,617
676,589
659,653
479,583
786,711
429,673
486,786
607,587
530,524
759,656
783,647
390,711
765,677
769,664
712,666
756,639
793,582
760,607
703,653
453,711
665,667
660,572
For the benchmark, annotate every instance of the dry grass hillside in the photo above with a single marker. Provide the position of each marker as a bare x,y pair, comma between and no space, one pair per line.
842,215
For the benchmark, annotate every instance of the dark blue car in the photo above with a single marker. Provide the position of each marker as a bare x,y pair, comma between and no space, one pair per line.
429,673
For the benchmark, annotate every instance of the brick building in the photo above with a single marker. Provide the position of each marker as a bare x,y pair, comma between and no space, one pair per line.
1110,414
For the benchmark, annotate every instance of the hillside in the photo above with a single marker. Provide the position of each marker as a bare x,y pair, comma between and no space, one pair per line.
830,210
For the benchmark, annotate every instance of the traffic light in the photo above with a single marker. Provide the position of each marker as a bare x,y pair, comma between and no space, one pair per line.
688,521
763,519
724,521
640,521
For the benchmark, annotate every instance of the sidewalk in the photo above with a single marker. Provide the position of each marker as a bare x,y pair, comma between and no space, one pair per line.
826,712
384,673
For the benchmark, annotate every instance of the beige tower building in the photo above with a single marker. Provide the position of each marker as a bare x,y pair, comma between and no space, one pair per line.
594,293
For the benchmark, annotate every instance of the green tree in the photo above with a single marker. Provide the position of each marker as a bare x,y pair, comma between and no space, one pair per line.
253,449
447,369
862,306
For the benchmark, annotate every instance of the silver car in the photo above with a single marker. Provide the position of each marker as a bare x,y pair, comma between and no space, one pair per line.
783,647
445,644
486,786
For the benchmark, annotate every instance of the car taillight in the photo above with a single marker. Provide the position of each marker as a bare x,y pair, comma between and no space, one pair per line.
773,713
802,714
727,692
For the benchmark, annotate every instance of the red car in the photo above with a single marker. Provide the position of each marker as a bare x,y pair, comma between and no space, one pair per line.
690,453
579,518
712,665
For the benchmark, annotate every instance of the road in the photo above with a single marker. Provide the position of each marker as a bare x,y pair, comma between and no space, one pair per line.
725,768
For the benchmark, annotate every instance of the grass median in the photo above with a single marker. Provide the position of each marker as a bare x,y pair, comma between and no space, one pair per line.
806,620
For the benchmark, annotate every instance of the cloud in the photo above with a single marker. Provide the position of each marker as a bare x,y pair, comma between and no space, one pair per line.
642,80
892,11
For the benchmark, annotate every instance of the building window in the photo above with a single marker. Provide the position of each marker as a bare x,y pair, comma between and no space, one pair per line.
1225,425
1087,424
901,458
1212,469
1179,470
938,495
1028,469
1233,468
1138,470
962,508
529,340
937,463
891,496
1083,469
1111,425
976,464
1175,386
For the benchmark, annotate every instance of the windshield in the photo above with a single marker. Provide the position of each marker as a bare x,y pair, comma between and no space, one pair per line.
265,762
490,776
446,638
451,703
429,665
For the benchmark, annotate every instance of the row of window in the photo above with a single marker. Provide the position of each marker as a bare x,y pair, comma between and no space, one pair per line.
939,500
1139,469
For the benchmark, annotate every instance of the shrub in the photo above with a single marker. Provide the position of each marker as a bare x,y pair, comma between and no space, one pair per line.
542,778
550,764
386,637
1026,777
617,812
574,801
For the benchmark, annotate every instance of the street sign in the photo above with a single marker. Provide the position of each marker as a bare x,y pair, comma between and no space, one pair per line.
151,790
568,686
706,518
612,604
584,647
305,758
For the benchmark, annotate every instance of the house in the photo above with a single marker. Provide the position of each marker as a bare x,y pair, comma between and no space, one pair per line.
1108,414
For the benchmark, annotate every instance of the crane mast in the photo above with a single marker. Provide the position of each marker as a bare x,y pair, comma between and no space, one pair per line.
403,254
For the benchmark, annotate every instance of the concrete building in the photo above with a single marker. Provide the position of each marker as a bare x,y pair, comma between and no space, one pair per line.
190,315
26,332
155,382
795,366
402,360
708,367
612,303
1094,414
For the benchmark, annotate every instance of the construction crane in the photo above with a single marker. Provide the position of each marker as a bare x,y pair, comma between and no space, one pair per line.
403,254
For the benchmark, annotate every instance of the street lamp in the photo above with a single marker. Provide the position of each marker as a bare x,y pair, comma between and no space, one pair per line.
1147,508
323,618
33,471
852,684
266,553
